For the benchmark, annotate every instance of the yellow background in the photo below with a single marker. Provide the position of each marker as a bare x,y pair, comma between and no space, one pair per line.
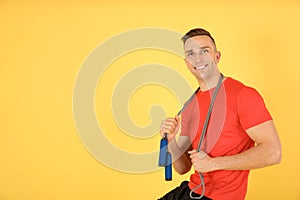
44,43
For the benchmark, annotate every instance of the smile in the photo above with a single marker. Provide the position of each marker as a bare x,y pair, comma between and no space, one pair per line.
200,67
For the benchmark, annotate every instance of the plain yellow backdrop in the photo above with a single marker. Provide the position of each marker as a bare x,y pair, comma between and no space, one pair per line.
43,45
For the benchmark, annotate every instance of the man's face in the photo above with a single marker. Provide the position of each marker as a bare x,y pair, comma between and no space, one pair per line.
201,57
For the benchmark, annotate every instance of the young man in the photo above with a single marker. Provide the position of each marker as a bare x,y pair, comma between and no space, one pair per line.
240,134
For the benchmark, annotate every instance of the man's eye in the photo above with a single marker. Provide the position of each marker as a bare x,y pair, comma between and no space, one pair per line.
204,51
190,53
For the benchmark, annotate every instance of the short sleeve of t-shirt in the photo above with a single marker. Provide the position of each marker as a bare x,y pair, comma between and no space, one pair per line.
251,108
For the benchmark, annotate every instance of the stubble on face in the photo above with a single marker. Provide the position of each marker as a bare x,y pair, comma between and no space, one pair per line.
201,57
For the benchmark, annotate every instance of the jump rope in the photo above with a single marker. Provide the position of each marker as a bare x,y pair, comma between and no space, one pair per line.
165,157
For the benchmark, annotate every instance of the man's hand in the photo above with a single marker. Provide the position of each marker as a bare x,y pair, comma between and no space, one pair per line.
201,161
170,126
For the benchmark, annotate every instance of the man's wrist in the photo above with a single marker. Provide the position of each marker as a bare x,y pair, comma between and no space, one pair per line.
217,163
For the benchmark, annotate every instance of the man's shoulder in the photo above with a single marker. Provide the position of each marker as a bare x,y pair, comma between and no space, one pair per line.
235,88
240,91
232,84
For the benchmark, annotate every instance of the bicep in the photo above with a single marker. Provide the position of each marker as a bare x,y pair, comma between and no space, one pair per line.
264,133
267,143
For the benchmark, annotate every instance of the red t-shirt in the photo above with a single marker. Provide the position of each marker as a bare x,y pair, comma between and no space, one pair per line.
236,109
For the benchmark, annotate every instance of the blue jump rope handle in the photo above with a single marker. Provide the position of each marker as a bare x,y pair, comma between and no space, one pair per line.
165,158
168,168
163,152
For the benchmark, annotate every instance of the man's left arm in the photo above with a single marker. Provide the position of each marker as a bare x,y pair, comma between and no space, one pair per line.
266,152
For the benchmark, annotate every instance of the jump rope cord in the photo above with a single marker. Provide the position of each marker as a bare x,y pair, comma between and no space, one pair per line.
202,137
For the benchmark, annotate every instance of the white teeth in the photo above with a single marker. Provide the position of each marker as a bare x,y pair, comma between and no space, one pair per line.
200,67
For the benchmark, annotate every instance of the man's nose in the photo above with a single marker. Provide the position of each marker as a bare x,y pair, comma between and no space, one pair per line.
198,57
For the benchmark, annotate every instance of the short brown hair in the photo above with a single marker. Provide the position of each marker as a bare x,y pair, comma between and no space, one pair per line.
197,32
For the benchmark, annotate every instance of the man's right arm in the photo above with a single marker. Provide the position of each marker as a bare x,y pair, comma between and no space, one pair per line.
181,159
179,150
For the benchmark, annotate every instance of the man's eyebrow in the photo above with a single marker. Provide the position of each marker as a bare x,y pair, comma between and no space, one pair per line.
188,51
203,47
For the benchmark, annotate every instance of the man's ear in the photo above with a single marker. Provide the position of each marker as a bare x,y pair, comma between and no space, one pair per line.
218,56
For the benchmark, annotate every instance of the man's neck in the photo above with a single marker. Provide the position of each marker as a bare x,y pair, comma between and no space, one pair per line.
209,83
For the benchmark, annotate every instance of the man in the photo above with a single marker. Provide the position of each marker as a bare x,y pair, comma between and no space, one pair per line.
240,134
